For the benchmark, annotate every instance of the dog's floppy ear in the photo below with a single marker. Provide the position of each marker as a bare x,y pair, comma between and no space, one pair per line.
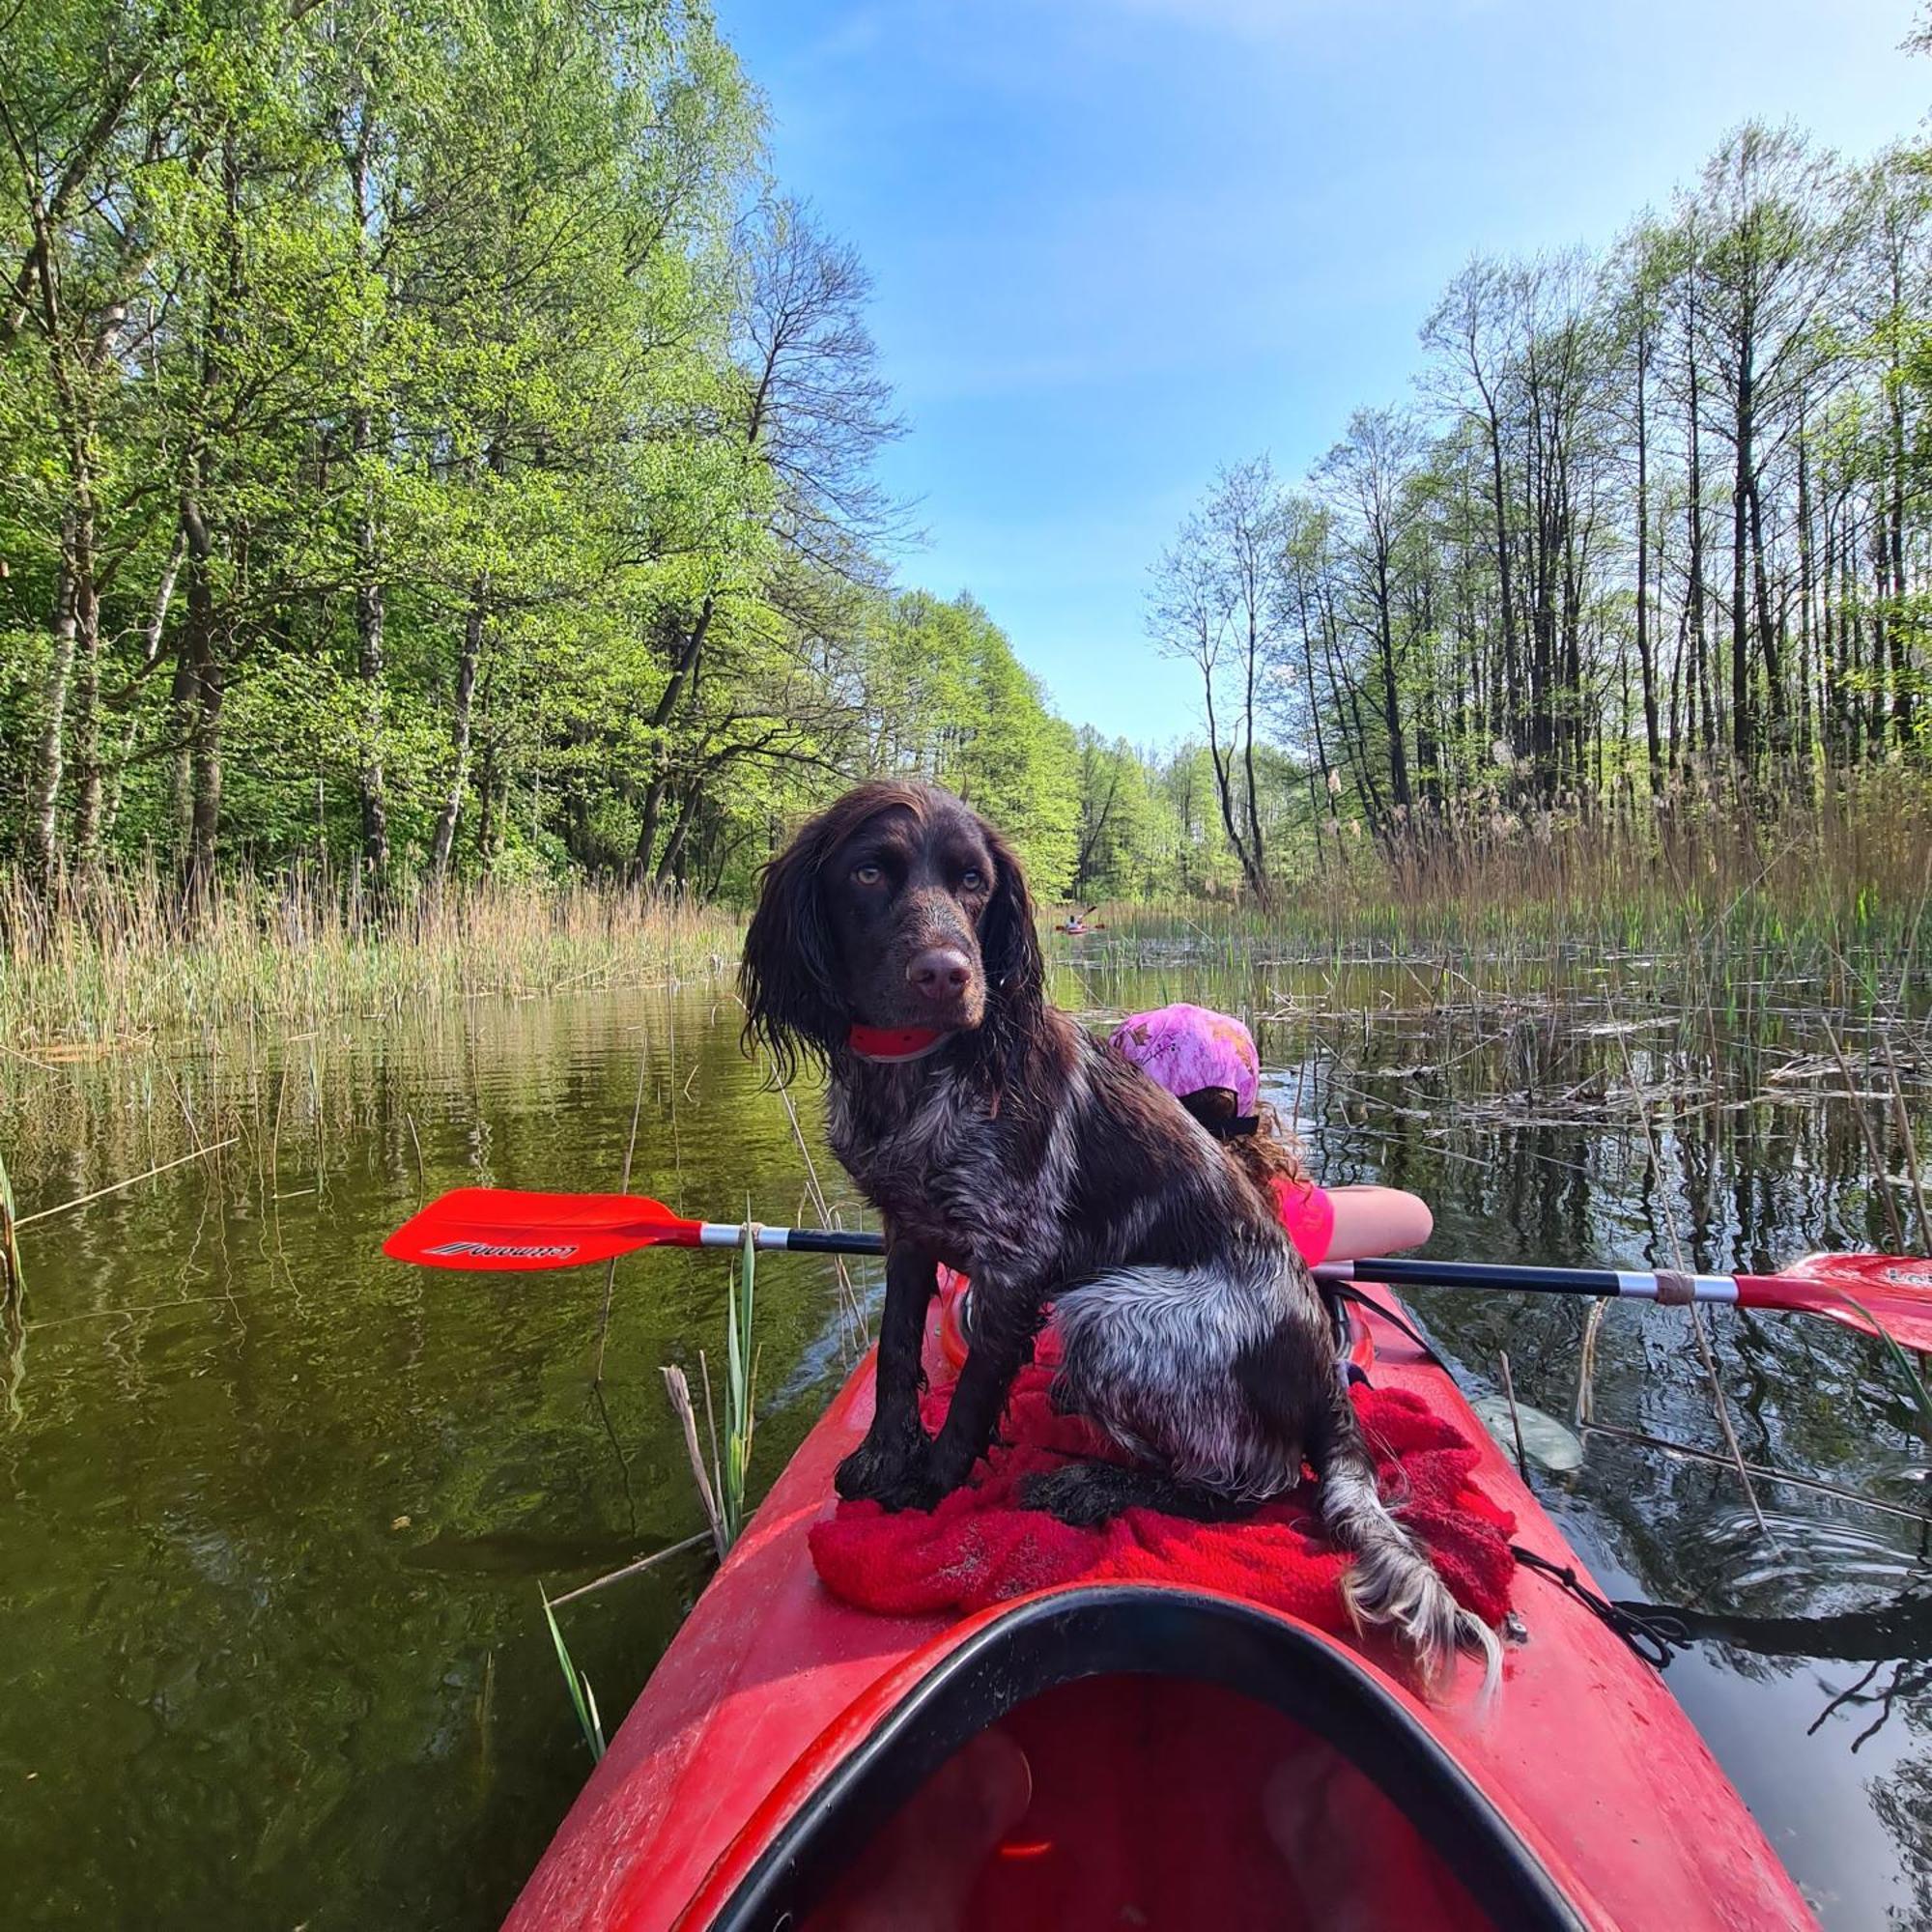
787,976
1009,937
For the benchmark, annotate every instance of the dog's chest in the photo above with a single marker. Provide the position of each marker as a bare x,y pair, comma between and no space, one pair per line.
935,1164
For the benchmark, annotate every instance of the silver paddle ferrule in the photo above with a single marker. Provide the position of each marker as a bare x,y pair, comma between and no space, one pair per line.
1642,1284
726,1235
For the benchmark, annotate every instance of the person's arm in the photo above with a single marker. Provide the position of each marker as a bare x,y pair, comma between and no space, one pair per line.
1376,1221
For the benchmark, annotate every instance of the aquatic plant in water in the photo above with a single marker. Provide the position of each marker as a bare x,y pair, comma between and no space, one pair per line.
720,1483
13,1306
582,1699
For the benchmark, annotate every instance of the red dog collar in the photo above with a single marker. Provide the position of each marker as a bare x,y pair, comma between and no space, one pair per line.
886,1045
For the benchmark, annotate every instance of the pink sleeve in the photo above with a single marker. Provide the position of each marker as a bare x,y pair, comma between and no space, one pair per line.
1309,1216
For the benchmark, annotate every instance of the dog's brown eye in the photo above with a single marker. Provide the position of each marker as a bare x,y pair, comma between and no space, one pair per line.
868,875
972,879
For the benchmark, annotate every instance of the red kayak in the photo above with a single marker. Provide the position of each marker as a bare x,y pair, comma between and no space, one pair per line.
1137,1754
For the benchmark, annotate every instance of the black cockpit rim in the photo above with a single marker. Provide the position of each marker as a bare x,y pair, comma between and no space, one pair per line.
1130,1629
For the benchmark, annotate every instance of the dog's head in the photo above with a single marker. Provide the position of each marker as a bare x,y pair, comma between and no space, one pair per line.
897,906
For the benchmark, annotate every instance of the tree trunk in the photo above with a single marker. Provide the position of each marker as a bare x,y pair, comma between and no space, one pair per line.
1767,628
1676,697
1831,697
1571,716
1806,590
87,705
1505,593
205,822
649,820
1224,787
1354,729
1092,834
1391,691
1248,758
151,633
369,614
1902,672
201,687
370,600
1884,647
181,728
1325,803
668,869
44,800
682,668
1743,736
1645,646
1703,725
204,683
444,841
486,808
1848,631
370,611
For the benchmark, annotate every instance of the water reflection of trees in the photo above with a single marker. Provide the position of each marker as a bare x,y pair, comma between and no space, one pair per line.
277,1508
1547,1130
1902,1801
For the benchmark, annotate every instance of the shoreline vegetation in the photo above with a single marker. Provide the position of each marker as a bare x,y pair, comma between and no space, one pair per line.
109,963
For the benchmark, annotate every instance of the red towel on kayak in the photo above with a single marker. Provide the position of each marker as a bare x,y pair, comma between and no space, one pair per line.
980,1546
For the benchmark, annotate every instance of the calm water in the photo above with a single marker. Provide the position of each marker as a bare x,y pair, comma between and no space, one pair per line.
274,1511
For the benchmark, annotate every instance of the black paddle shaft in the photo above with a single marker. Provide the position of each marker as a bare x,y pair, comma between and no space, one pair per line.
1480,1275
1383,1268
831,1241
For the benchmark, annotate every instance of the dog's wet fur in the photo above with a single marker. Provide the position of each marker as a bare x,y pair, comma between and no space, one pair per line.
1051,1170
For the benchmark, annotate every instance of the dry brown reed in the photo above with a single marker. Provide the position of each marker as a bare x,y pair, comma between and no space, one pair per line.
13,1307
679,1391
9,1221
95,965
636,1569
1786,1478
1847,866
1705,1354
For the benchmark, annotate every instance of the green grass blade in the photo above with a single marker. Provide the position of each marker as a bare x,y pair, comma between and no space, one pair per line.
582,1700
1906,1368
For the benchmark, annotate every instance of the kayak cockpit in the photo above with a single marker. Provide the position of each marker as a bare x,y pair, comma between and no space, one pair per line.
1121,1756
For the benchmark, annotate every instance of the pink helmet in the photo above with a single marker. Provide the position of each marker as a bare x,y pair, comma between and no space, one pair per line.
1185,1048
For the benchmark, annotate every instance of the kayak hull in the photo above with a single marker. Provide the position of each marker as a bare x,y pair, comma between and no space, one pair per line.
768,1707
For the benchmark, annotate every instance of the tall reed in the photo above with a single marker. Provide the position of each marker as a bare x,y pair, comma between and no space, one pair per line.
722,1482
1701,872
13,1306
101,962
741,1384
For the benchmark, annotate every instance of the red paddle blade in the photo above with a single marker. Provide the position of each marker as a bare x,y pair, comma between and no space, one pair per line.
505,1230
1873,1293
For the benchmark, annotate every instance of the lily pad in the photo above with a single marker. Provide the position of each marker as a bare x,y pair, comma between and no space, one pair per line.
1546,1442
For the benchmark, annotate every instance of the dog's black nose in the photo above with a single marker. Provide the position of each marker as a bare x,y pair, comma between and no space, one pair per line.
940,972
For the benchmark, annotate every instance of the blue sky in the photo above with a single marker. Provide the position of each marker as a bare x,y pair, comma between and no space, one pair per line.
1116,243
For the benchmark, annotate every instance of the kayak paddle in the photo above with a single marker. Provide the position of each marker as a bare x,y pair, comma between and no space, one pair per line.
1877,1294
505,1230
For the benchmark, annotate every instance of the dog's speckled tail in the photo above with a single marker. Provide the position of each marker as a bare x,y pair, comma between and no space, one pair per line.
1391,1583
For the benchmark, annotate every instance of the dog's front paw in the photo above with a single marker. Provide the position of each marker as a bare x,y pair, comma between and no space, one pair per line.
896,1474
916,1489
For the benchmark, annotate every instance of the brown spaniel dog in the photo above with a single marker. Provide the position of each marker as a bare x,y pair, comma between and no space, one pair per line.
894,942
